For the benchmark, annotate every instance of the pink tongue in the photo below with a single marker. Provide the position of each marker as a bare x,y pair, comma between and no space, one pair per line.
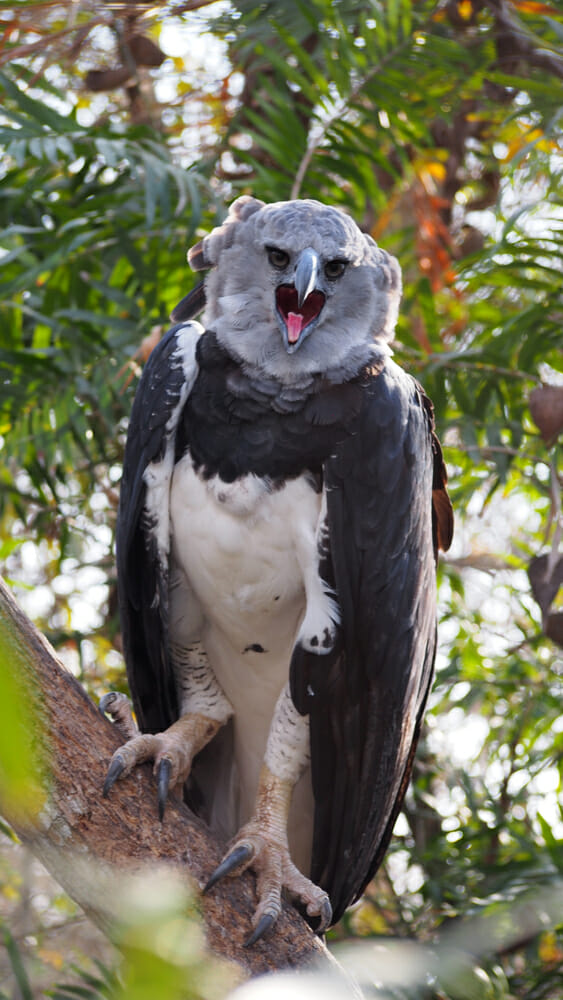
294,326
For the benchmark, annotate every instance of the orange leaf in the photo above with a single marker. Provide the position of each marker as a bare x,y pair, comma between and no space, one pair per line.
534,7
465,9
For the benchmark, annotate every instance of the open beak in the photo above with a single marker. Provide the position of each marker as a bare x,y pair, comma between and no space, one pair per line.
299,305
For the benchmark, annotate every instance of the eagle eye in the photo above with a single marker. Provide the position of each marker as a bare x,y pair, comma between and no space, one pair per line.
335,268
278,258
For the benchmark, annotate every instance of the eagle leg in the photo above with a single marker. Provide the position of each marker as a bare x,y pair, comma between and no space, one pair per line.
204,709
263,846
262,843
172,752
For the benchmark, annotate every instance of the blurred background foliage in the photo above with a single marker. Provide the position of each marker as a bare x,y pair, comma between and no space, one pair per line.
126,128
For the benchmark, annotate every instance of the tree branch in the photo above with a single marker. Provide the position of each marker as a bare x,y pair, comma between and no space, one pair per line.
521,43
122,832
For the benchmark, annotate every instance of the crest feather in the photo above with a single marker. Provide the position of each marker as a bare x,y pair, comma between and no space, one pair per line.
205,254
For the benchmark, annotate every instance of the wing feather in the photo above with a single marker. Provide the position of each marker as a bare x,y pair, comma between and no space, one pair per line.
366,699
192,304
142,535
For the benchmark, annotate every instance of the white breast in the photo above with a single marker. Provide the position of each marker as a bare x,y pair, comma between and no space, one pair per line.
237,544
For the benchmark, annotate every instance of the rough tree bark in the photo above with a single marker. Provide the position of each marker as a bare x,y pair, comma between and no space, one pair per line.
123,832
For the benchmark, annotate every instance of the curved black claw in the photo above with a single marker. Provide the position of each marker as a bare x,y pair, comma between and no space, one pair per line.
262,927
242,853
325,917
163,776
106,700
115,770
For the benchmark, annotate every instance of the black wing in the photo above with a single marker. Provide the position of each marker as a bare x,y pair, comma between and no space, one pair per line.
192,304
366,700
142,560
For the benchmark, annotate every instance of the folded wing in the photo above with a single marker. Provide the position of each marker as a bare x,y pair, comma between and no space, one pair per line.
366,700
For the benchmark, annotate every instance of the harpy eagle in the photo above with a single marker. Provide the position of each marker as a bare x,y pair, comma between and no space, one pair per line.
282,502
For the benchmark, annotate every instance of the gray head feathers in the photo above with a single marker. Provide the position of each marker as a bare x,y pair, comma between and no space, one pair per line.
360,304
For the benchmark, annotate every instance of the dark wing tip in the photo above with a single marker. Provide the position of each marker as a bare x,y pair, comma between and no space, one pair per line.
443,518
442,510
192,304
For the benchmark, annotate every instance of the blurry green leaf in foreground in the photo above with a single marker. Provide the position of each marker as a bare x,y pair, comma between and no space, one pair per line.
22,787
159,933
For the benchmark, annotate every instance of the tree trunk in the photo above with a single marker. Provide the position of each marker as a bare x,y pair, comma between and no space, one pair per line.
84,840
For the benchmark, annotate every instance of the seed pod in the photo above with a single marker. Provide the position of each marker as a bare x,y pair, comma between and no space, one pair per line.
546,407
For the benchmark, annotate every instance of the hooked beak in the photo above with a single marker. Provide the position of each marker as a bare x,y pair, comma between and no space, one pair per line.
306,274
298,306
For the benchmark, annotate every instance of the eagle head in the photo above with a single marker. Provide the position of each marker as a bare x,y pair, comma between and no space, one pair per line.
295,289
